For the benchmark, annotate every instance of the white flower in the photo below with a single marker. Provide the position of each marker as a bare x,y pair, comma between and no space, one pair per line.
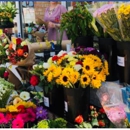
24,95
61,53
46,65
71,53
35,66
7,52
14,93
40,66
77,67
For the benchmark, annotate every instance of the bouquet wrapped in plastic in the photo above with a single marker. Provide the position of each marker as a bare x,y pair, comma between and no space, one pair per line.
114,18
111,99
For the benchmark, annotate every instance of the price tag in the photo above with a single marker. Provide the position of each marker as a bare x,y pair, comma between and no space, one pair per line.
1,31
66,106
52,53
121,61
46,101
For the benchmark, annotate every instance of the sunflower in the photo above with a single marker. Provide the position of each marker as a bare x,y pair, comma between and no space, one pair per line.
74,77
57,72
50,77
84,80
96,83
102,75
64,79
68,70
88,68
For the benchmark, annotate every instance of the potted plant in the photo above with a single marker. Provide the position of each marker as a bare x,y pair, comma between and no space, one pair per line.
80,25
8,12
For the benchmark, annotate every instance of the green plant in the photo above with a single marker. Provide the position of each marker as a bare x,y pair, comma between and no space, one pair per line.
7,11
79,22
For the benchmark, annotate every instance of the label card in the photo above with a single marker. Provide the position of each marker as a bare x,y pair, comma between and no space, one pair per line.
66,106
46,101
121,61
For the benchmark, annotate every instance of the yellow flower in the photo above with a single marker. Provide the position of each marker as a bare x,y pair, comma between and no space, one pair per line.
50,77
106,67
64,79
17,100
68,70
3,109
102,75
74,77
57,72
20,103
84,80
30,104
96,83
12,108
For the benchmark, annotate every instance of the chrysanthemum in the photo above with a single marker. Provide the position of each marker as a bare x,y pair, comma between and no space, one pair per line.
64,79
43,124
84,80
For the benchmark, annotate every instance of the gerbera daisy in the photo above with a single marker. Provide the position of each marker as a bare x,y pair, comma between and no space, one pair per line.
84,80
18,123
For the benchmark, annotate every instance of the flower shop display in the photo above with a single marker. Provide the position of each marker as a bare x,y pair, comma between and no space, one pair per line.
80,25
114,19
76,73
111,99
8,12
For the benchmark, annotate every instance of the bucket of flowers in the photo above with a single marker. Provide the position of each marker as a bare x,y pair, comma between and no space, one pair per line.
76,73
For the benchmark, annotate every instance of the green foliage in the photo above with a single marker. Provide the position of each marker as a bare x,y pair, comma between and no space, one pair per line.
78,22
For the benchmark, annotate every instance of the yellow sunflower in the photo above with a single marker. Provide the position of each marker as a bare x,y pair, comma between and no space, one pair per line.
74,77
68,70
95,83
57,72
102,75
84,80
88,67
64,79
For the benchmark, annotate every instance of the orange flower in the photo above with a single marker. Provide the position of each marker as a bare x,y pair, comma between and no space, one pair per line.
10,46
20,52
101,123
79,119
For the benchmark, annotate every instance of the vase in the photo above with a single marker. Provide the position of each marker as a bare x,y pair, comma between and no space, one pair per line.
85,41
6,24
54,100
123,61
76,102
107,46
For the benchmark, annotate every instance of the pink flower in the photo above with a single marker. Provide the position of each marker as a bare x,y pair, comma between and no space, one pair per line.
23,116
18,123
31,114
2,119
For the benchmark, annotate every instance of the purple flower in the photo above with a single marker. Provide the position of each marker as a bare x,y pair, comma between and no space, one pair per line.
41,113
89,49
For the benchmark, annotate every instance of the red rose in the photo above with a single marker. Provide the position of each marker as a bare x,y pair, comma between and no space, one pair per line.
55,58
101,123
79,119
25,48
18,41
21,108
6,74
101,110
34,80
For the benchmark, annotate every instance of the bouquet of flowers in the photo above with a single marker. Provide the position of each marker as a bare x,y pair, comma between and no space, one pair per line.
114,18
21,111
73,70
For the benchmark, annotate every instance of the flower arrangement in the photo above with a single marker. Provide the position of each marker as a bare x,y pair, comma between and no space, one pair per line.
114,19
78,22
4,44
73,70
6,89
8,12
17,50
20,111
97,118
